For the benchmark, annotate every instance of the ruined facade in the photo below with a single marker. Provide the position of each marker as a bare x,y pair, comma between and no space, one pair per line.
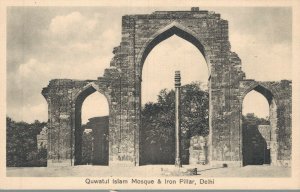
121,84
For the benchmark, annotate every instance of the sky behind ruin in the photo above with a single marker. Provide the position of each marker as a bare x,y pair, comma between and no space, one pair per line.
77,42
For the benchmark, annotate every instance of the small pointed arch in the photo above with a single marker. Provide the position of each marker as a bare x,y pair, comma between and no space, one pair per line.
266,92
77,129
87,90
260,151
166,32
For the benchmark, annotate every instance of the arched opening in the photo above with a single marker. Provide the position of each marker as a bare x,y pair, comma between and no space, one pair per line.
169,31
258,127
91,128
174,49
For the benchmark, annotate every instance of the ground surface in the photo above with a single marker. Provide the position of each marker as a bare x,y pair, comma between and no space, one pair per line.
145,171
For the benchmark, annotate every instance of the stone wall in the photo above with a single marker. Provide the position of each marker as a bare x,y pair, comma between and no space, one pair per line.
100,126
198,150
42,139
265,131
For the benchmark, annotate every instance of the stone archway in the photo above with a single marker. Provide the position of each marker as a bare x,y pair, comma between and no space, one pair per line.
77,130
178,32
121,84
216,53
163,34
266,140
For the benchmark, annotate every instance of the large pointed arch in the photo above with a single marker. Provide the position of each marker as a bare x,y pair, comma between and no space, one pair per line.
186,35
172,29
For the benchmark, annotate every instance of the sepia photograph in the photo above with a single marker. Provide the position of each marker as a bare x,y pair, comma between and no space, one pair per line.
149,96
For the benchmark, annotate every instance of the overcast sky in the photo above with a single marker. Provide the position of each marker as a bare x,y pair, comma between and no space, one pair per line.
77,43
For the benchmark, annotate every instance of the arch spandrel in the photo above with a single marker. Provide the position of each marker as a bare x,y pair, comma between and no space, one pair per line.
88,89
267,89
199,40
164,33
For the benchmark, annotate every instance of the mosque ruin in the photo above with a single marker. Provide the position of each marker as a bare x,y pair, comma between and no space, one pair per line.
121,85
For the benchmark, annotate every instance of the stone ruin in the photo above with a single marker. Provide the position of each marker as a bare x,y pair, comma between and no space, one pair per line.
99,127
42,139
121,85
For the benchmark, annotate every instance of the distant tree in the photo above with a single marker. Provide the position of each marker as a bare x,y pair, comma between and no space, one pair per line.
194,109
250,120
158,123
21,143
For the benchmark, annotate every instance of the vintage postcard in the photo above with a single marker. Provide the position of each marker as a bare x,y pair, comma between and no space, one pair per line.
150,95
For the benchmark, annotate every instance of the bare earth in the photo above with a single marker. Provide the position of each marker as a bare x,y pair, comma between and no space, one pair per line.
145,171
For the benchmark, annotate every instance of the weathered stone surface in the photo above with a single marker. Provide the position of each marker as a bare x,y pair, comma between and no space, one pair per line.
121,84
99,126
198,150
265,132
42,139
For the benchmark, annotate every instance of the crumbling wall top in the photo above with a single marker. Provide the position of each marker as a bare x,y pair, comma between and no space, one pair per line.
195,12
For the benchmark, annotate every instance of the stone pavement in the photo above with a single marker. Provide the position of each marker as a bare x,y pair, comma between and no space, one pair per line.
146,171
